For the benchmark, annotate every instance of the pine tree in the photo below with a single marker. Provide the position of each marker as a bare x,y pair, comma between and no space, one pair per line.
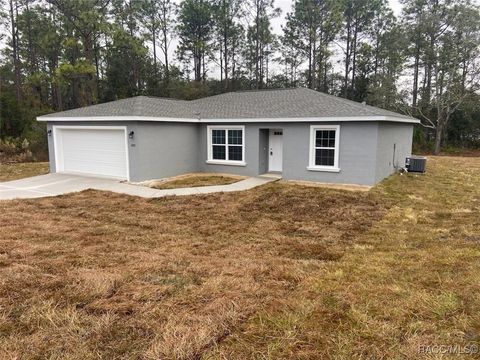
195,30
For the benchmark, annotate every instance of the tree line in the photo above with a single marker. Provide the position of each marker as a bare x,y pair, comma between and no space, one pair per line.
63,54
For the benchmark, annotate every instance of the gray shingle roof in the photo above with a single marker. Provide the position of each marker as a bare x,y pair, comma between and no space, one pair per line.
286,103
261,104
135,106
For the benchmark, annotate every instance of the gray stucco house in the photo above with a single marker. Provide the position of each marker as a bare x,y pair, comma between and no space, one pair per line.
300,133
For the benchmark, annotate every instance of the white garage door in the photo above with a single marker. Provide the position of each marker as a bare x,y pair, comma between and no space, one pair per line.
94,151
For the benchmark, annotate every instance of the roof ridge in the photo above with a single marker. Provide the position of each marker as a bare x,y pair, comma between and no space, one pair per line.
243,91
360,105
266,90
160,98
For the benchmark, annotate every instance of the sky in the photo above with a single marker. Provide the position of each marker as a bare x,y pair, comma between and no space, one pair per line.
286,6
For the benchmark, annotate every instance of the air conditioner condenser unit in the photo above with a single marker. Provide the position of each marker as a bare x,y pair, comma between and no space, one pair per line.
416,164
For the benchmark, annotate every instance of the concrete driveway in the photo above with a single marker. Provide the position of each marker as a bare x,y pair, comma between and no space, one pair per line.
59,184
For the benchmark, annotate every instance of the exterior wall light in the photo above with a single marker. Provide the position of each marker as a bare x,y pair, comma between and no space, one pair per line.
49,132
131,134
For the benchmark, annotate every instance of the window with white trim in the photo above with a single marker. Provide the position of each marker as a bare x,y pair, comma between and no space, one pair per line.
226,144
324,144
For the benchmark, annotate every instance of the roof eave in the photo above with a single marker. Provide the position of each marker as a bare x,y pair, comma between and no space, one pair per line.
232,120
114,118
318,119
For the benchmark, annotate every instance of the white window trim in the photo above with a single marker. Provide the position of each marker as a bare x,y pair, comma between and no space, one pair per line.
210,159
312,166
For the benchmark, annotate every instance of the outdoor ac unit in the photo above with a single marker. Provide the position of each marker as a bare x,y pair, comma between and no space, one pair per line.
416,164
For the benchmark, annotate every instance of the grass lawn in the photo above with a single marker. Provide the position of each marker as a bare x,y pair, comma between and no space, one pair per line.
277,272
22,170
195,180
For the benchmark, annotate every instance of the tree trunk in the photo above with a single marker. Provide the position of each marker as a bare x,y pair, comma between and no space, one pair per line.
165,53
259,68
347,61
257,45
309,80
319,77
89,51
439,133
377,54
204,73
198,66
154,41
221,65
415,75
354,60
233,76
314,64
16,60
31,50
428,75
325,78
97,69
225,58
266,68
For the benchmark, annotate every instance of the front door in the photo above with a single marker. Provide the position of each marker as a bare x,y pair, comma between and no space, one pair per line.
275,155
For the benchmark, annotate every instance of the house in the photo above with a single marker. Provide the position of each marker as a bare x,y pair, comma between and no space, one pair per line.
300,133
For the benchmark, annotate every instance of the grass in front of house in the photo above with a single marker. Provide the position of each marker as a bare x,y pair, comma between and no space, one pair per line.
280,271
103,275
22,170
409,282
196,180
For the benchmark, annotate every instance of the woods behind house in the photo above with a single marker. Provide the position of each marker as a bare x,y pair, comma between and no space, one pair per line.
63,54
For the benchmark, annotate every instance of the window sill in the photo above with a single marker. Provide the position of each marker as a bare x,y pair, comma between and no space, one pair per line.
323,168
225,162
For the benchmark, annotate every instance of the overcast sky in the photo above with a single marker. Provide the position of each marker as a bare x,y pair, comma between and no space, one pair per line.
286,6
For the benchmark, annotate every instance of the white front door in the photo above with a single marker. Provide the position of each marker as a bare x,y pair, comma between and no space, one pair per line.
275,154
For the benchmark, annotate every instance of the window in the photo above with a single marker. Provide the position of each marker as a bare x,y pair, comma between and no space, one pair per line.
226,145
324,147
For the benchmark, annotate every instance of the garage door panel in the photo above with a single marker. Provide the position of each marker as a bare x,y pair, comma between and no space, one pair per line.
81,149
83,166
93,151
86,168
112,158
99,155
73,163
94,143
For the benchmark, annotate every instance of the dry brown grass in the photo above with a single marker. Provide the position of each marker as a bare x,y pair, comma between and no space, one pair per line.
195,180
411,280
99,275
349,187
22,170
277,272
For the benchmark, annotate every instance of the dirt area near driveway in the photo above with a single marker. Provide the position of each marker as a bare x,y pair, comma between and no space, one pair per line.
195,180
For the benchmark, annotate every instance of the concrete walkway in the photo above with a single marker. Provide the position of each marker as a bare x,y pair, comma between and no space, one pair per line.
59,184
